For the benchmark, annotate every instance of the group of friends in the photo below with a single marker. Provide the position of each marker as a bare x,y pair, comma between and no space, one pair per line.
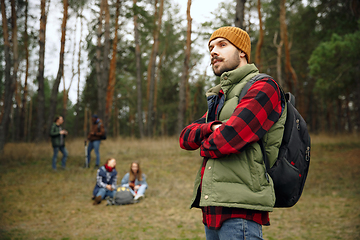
106,179
58,135
231,187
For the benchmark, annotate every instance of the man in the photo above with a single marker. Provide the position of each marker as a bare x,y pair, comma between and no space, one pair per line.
232,187
94,137
58,141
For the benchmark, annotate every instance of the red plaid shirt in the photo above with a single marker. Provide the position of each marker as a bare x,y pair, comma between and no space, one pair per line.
256,113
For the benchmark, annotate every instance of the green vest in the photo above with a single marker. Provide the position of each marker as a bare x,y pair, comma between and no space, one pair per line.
239,180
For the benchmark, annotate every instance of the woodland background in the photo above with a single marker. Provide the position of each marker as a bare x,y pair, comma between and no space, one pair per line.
144,70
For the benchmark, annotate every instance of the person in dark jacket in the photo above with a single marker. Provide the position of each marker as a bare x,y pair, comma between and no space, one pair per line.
105,181
58,141
94,137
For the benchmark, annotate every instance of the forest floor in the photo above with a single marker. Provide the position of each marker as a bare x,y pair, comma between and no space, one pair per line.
37,203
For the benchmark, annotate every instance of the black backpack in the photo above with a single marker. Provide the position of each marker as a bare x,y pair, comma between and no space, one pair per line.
291,168
103,137
122,196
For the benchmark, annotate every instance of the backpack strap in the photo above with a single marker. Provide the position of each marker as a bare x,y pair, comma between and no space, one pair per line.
251,82
288,96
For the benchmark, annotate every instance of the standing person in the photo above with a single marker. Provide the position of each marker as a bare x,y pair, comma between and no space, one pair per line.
58,141
94,137
232,187
135,180
105,181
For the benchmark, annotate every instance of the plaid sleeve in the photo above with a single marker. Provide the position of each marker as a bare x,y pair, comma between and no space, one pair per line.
192,135
99,179
257,111
114,180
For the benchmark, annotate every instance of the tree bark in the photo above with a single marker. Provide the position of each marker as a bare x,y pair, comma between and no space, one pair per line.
105,65
24,95
240,14
98,54
9,83
152,53
151,99
138,73
112,79
278,60
15,69
289,70
260,41
40,77
55,88
185,73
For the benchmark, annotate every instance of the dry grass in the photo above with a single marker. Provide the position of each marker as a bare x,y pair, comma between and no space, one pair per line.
39,204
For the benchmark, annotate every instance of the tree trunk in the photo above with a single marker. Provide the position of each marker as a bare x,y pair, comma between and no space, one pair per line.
98,55
77,105
15,69
290,72
152,75
152,54
24,95
112,79
105,65
40,77
9,83
29,121
357,100
278,60
185,73
55,88
240,14
138,73
260,41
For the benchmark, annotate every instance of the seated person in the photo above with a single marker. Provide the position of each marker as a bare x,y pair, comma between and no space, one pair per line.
105,181
136,181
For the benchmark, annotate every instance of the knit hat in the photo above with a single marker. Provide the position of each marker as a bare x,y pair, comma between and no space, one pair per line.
238,37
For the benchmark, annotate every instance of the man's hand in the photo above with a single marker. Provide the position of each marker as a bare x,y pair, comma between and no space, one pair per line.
63,132
109,187
215,126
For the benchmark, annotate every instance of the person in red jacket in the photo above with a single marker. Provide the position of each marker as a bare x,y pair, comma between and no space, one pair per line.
94,137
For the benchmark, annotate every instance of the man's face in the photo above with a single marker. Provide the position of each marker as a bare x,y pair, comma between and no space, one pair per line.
60,120
224,56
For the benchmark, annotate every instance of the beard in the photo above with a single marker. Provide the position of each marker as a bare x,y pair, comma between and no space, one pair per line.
225,65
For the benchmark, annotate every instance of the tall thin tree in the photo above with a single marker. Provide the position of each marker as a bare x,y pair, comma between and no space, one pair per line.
105,64
289,70
9,83
25,90
79,73
261,39
240,13
40,77
55,88
278,59
112,79
138,72
98,64
152,63
15,51
185,72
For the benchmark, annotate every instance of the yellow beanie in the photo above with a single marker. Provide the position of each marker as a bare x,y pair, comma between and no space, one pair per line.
238,37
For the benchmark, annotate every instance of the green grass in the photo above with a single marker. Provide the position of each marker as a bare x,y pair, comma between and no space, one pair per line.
36,203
